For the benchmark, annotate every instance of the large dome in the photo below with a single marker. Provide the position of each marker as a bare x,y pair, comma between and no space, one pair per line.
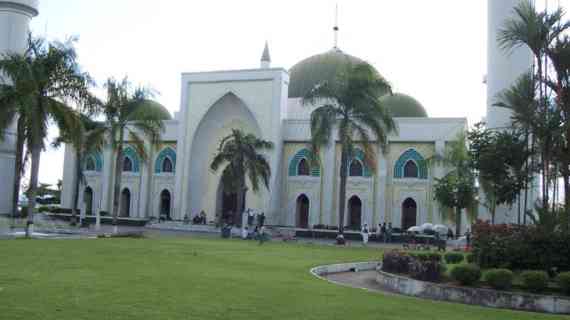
309,72
159,109
404,106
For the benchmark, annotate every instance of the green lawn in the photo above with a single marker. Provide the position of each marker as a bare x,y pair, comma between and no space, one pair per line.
183,278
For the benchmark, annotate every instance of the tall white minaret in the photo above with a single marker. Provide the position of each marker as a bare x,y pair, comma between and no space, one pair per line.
265,58
15,16
503,68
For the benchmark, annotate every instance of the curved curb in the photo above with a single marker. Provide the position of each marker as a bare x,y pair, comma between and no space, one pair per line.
320,272
473,296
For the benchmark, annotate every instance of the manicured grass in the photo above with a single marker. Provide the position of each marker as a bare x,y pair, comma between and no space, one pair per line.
183,278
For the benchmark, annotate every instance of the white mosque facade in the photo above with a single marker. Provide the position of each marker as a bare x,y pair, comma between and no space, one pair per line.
176,180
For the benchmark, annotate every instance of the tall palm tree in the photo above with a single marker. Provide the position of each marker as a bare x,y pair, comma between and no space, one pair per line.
537,30
38,86
240,153
88,138
351,105
129,112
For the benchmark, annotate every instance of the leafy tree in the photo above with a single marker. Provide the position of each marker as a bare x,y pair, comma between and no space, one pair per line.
37,89
456,190
240,153
129,112
351,105
495,155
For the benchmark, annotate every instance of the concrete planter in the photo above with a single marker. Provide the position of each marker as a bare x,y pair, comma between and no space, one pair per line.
321,271
474,296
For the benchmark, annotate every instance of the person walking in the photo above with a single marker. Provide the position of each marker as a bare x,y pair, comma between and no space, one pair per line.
365,234
261,235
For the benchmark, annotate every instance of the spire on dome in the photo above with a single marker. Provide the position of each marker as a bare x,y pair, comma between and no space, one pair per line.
335,28
265,57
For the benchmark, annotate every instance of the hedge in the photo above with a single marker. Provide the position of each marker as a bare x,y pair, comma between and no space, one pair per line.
520,248
564,282
466,274
453,257
500,279
535,281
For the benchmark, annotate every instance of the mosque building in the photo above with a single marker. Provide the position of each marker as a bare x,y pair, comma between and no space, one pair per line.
176,181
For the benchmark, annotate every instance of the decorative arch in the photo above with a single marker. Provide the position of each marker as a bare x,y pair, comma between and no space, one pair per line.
165,205
130,152
94,162
88,200
359,156
418,160
354,213
125,203
166,153
302,211
409,213
300,155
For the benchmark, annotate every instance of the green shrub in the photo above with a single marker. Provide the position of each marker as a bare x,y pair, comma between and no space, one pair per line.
466,274
44,209
535,281
500,279
396,262
564,282
453,257
470,258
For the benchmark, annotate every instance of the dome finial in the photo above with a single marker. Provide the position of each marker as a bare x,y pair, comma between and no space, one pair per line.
265,58
335,28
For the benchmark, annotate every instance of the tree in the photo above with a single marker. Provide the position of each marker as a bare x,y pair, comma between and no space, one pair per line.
456,190
38,87
87,138
240,153
129,112
351,105
495,156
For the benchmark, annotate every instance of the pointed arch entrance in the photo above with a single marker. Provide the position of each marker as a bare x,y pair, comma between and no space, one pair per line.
409,213
302,214
354,213
88,201
165,204
125,203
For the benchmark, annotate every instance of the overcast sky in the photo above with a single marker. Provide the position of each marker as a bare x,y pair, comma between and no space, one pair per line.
432,50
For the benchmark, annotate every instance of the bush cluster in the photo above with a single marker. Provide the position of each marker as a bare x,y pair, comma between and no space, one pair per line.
466,274
453,257
500,279
564,282
420,266
535,281
470,258
520,247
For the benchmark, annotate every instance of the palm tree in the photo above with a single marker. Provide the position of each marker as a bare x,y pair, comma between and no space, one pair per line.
351,105
87,138
129,112
456,190
39,84
240,153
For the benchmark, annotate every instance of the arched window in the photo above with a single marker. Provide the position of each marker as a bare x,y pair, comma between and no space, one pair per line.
303,168
410,169
90,165
356,169
167,165
127,164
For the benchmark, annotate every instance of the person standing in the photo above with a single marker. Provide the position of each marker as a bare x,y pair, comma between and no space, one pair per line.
389,232
261,218
365,234
384,232
379,232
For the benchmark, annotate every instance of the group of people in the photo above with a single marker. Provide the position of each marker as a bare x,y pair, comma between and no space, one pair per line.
248,230
383,232
200,218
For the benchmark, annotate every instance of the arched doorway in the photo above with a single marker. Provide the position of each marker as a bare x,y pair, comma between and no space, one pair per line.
409,213
88,201
302,212
165,204
125,203
227,206
354,213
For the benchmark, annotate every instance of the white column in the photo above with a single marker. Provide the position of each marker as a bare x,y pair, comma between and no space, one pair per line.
438,173
107,179
145,189
380,196
328,176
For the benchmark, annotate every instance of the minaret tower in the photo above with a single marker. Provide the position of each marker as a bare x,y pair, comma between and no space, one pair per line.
265,58
15,16
503,68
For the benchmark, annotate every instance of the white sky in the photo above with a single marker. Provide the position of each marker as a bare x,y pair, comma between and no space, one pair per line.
432,50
